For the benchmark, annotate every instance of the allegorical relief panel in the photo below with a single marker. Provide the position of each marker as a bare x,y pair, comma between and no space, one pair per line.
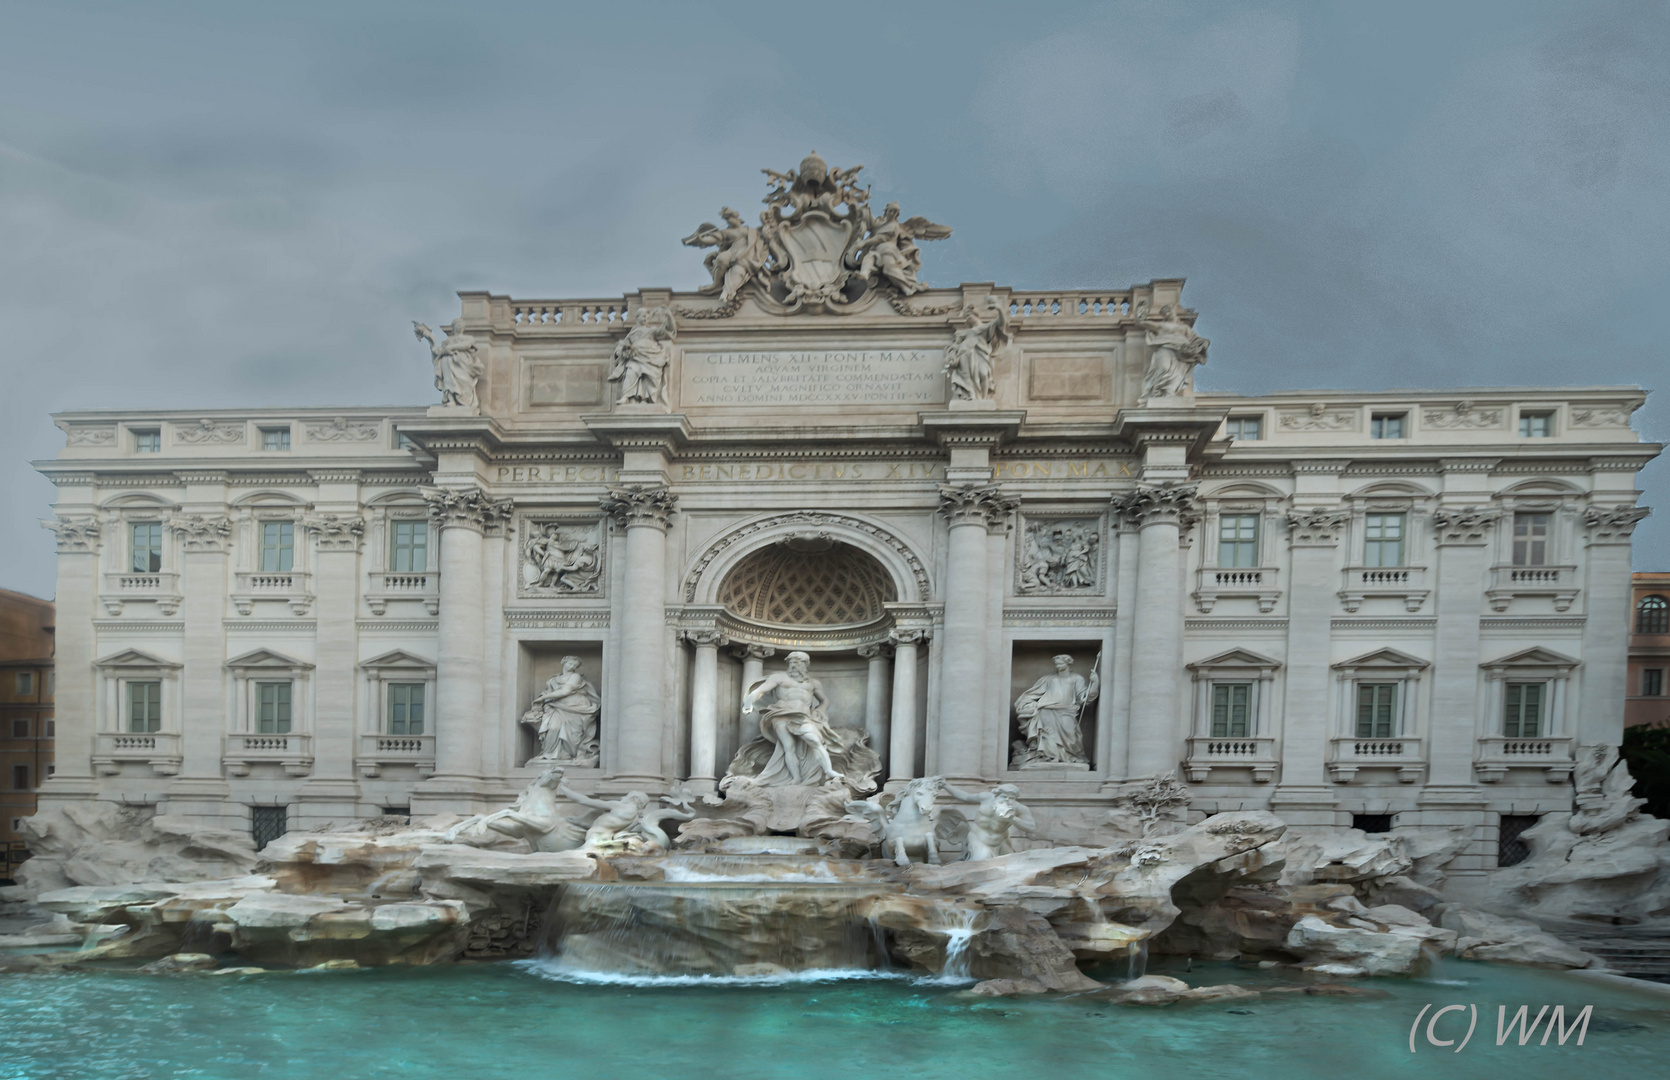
561,556
1059,556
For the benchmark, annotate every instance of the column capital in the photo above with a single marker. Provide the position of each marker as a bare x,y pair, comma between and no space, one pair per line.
80,534
640,504
1159,504
1464,526
201,533
1606,525
976,504
903,636
469,508
871,652
334,532
754,652
1316,526
709,638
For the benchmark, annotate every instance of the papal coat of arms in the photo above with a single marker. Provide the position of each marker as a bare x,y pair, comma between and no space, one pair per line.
819,246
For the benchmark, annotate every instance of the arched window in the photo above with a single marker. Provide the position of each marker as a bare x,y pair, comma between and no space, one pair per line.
1652,615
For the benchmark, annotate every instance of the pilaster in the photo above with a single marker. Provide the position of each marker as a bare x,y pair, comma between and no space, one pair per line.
642,718
1606,590
1160,513
1313,540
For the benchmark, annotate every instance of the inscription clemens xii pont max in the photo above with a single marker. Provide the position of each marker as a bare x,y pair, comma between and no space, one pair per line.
821,377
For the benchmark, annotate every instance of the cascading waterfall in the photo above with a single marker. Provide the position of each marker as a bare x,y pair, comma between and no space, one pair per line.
959,931
1136,960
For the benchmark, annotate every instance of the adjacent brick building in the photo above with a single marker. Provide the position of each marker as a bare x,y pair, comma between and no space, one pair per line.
26,714
1649,652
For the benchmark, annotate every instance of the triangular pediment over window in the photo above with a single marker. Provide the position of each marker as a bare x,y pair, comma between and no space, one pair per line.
134,658
1235,658
398,659
1536,656
267,658
1383,658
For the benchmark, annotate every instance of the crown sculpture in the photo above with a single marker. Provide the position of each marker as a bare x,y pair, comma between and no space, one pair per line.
818,247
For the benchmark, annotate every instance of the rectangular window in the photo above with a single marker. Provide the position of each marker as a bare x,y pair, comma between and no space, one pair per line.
278,539
1231,710
272,708
51,683
25,683
147,547
1372,823
402,441
1652,682
1536,425
20,778
1249,428
1524,710
1386,425
405,708
148,441
144,707
52,729
20,729
1238,540
1510,849
1376,710
1383,539
1530,539
268,823
411,546
275,438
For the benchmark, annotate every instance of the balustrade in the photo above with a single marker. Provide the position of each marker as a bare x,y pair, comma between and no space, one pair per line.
387,585
1254,752
158,749
377,752
1406,583
1499,753
1260,583
1508,582
291,750
1405,753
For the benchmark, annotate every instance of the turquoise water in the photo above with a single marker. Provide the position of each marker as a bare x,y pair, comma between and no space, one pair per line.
517,1022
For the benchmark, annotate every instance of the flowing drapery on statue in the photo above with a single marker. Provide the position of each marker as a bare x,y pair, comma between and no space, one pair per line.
1050,713
797,744
564,717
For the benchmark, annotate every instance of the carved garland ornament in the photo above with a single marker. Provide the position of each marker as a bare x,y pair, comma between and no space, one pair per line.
207,431
1463,415
640,504
469,507
809,517
342,429
74,534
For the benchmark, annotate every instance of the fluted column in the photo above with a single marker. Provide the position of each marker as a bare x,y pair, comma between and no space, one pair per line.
1160,512
1606,602
645,511
970,511
461,517
704,708
875,696
901,744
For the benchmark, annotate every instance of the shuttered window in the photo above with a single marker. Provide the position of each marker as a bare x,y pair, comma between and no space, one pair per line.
1376,710
1231,710
272,715
1524,710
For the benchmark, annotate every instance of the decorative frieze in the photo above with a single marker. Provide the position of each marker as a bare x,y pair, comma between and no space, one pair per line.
1318,417
1613,525
89,434
640,504
341,429
210,432
1059,556
1600,416
1464,526
469,508
200,533
74,534
1462,415
1316,526
335,533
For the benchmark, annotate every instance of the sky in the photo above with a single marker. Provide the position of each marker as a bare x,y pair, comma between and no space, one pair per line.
234,204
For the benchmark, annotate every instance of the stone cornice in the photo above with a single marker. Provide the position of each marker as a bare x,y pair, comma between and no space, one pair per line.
640,504
203,476
1321,466
1469,464
659,431
469,508
972,427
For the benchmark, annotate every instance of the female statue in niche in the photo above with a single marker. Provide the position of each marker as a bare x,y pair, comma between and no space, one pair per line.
1050,713
564,716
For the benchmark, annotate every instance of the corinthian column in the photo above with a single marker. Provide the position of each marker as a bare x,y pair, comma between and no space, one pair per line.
461,517
1606,601
970,510
645,511
1160,513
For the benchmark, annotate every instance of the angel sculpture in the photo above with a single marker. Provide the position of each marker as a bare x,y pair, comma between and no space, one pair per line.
642,357
890,249
741,256
457,365
968,359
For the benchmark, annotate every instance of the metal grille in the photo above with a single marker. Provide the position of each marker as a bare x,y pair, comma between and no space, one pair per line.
1372,823
268,823
1510,849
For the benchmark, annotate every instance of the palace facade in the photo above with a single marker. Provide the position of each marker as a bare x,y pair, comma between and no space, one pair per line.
1383,608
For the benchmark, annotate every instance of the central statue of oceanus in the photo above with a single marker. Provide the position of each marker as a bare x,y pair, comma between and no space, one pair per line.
818,247
797,745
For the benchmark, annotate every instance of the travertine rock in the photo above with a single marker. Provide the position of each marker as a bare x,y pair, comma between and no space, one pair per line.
1361,944
105,844
1483,936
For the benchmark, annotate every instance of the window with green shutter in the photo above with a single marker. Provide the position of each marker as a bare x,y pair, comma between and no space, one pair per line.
1231,710
1238,540
144,707
1376,710
278,546
1524,710
1383,539
272,716
147,547
405,708
410,553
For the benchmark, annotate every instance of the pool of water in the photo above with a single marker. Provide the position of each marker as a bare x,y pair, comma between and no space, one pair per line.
526,1021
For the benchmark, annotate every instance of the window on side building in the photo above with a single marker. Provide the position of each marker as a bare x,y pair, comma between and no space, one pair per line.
1536,425
1383,539
1387,425
275,438
25,683
1238,540
144,707
146,546
1652,682
1652,615
20,778
272,708
1231,710
1376,710
147,441
278,546
411,547
1523,718
405,708
1530,539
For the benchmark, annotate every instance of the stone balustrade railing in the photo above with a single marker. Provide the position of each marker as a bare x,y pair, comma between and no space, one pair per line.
294,587
158,749
1405,753
1507,582
1100,305
1261,583
291,750
1499,753
1406,583
388,585
377,752
1254,752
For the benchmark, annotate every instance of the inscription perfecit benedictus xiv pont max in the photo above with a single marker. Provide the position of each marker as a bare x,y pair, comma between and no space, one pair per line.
815,377
727,471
